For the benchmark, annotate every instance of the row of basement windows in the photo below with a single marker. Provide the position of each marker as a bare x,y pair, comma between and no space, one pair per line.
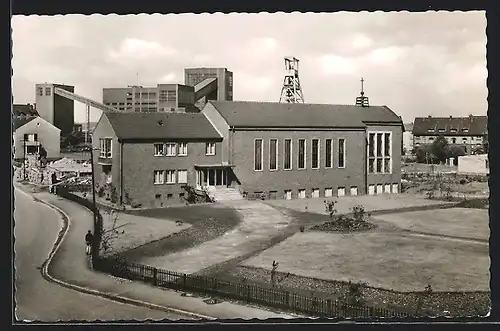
341,191
301,155
179,149
169,177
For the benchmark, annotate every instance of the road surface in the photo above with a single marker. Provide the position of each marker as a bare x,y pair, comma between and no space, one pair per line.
36,229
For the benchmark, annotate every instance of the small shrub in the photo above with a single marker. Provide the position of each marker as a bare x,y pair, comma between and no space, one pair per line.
194,196
330,208
354,294
430,194
100,192
302,229
113,195
358,212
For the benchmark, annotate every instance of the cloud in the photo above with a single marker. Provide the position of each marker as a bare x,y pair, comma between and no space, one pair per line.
361,41
168,78
331,64
416,63
386,56
133,49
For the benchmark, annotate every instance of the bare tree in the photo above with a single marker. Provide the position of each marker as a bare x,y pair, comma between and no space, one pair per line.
275,280
111,234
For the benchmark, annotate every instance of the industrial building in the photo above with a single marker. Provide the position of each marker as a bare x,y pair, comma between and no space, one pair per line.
55,108
471,132
201,84
162,98
222,77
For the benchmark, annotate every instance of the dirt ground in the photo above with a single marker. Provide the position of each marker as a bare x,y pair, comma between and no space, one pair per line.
421,167
455,222
344,204
402,262
472,188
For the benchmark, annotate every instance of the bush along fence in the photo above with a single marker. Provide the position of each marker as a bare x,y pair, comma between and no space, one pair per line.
286,300
278,298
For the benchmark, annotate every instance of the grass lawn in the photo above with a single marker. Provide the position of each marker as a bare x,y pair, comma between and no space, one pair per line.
455,222
139,230
206,222
397,261
190,214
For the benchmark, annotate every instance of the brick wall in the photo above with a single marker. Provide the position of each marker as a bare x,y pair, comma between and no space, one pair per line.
395,176
139,164
353,175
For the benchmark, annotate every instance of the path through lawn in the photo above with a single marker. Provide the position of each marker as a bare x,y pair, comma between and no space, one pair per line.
455,222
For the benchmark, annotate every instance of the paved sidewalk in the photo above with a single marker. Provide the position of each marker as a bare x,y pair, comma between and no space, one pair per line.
71,265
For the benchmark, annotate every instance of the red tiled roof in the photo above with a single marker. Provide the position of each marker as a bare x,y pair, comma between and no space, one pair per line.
273,114
143,126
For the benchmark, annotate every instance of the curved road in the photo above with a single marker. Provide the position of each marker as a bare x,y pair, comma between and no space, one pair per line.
36,229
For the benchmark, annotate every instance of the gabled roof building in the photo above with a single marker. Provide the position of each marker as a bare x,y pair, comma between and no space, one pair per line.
466,131
250,149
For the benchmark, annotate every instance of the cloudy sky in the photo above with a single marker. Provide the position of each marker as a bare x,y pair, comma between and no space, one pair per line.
418,64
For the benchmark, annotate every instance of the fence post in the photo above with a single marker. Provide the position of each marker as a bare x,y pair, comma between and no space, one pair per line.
372,312
329,307
287,298
184,280
248,293
155,276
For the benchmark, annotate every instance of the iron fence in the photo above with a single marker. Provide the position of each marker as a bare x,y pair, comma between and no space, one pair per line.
250,293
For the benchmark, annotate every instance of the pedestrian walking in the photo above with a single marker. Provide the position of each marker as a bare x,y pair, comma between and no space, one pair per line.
89,237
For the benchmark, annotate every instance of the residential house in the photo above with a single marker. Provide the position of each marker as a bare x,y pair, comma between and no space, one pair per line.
470,132
31,134
408,138
148,157
27,110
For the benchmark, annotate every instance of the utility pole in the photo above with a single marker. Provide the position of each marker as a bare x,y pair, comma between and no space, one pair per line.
97,240
24,157
87,132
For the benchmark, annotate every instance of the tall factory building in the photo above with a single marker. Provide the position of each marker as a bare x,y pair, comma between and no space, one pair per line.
162,98
55,109
194,76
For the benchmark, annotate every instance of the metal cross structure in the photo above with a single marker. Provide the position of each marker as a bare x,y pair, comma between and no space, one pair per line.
291,91
362,101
